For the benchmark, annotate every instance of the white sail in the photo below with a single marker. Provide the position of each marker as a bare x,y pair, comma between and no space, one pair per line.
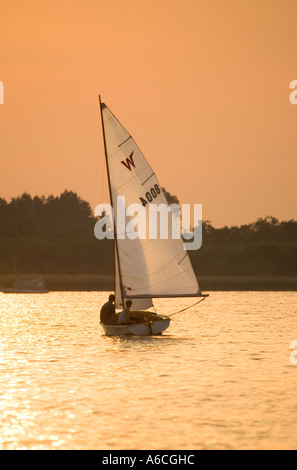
138,304
145,268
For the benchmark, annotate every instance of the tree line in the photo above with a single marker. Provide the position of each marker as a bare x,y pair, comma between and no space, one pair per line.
55,235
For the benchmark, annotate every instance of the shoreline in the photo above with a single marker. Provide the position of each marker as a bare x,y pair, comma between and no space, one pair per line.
101,282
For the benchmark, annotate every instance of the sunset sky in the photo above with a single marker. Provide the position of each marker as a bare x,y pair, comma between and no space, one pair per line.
203,87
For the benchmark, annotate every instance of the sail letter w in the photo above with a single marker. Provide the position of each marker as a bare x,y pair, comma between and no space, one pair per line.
129,161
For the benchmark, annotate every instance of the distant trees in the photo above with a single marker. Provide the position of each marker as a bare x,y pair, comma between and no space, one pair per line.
53,235
41,215
264,247
170,198
268,228
56,235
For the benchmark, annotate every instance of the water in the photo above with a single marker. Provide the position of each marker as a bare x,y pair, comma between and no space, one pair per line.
219,378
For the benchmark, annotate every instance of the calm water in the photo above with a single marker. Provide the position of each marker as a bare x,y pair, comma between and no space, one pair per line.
219,378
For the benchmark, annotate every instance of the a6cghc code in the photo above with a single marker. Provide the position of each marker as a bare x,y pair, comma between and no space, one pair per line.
173,459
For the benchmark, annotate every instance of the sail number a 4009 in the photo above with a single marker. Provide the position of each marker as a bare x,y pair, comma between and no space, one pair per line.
150,195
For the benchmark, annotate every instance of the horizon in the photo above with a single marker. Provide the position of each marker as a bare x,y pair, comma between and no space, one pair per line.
268,216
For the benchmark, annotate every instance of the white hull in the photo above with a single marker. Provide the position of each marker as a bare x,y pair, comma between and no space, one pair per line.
137,329
22,291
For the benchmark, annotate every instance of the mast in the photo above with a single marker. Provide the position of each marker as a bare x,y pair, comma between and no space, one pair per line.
115,243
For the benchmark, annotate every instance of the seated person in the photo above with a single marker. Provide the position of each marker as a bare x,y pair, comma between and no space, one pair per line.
124,317
107,313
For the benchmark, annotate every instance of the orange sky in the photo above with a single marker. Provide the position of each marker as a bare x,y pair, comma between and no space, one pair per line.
203,87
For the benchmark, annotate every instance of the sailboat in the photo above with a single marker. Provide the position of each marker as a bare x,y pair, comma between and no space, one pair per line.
144,268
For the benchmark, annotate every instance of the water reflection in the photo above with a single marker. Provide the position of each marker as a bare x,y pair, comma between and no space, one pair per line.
219,377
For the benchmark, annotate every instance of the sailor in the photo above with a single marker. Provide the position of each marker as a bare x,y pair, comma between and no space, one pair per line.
124,317
107,312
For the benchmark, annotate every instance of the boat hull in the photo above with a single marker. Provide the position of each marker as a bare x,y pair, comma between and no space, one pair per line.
138,329
22,291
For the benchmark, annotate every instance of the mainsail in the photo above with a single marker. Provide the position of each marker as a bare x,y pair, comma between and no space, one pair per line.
149,267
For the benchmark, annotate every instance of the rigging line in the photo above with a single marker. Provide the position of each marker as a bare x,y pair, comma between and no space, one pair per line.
165,279
156,271
133,251
153,174
187,308
183,258
129,180
159,269
162,267
128,138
